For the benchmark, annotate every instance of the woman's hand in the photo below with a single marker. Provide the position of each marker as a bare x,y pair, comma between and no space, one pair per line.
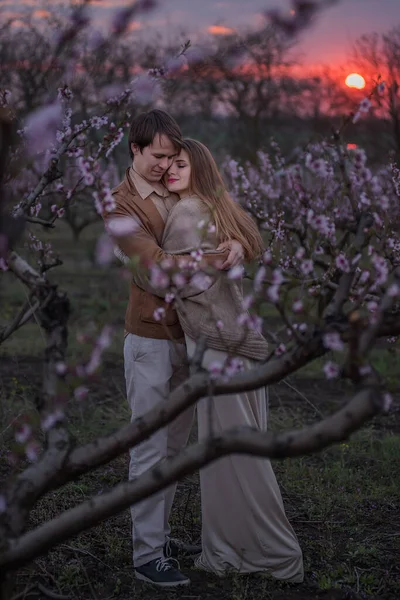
235,256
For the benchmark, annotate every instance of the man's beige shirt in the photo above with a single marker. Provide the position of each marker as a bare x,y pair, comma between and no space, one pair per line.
159,195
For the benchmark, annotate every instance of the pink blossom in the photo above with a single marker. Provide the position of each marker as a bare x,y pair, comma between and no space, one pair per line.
332,341
234,365
32,451
300,253
273,293
331,370
387,402
372,306
60,212
121,226
243,319
169,298
381,87
41,127
94,361
104,252
365,370
297,306
201,281
23,433
236,272
215,369
179,280
382,271
219,325
281,349
365,275
393,290
342,263
146,89
365,105
105,338
211,228
159,314
64,93
158,278
307,266
259,278
247,301
176,64
277,277
81,392
52,419
61,368
197,255
267,257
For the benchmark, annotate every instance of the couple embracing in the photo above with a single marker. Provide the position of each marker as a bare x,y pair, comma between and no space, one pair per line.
172,185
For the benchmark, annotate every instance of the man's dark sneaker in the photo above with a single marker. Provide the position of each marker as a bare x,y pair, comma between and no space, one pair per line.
162,572
174,548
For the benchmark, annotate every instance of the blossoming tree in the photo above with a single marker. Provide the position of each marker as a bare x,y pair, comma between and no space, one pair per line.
330,269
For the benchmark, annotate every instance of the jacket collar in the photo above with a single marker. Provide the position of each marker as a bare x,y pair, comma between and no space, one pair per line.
146,206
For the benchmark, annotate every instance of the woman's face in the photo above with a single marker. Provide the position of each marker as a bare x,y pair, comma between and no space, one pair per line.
177,178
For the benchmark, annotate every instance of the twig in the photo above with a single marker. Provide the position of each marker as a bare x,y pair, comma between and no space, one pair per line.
87,553
304,398
40,221
346,280
51,594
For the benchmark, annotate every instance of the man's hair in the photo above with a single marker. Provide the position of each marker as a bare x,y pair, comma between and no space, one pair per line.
147,125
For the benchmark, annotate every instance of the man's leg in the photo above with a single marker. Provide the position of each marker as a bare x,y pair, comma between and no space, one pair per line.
179,429
148,372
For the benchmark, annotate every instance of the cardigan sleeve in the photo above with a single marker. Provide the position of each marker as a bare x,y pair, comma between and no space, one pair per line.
142,244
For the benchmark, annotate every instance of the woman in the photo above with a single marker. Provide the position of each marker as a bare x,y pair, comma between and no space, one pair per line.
244,526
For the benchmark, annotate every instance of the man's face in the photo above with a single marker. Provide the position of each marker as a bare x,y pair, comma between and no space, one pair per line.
154,160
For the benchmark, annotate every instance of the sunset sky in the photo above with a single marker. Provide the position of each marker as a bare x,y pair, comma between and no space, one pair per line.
329,41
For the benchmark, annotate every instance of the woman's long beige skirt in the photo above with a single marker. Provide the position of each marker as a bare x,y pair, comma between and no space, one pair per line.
244,525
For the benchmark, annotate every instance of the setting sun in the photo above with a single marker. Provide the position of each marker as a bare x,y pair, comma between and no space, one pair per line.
354,80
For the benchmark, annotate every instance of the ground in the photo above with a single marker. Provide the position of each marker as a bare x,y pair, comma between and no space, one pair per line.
344,503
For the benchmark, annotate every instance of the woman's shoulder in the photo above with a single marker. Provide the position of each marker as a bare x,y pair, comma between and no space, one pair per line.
191,204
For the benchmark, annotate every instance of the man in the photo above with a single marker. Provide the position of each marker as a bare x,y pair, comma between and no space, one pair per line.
154,364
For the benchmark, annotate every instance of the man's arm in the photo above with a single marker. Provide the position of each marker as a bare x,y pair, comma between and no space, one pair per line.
141,244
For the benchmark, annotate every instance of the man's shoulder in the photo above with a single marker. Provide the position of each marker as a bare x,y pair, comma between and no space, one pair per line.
125,194
125,188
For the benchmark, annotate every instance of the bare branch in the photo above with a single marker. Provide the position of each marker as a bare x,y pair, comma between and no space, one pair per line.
363,406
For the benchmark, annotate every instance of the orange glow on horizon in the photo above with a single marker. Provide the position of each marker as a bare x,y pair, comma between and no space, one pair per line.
220,30
355,80
41,14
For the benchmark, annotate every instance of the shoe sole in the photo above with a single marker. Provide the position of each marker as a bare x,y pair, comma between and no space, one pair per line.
161,583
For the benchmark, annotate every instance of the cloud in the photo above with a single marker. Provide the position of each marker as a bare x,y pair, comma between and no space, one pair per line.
66,3
18,24
7,15
41,14
134,26
220,30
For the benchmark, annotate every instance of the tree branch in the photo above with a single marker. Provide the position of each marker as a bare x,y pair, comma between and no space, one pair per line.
367,403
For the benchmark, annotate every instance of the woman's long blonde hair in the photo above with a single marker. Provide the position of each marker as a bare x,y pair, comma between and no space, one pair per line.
232,222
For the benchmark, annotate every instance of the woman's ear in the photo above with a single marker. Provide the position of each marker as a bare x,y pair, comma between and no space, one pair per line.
135,148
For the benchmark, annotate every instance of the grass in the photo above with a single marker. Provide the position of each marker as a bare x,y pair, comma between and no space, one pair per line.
343,503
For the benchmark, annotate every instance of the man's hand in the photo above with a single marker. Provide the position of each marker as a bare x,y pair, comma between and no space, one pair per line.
235,256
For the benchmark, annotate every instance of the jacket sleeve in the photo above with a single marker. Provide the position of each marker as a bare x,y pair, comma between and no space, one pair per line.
142,244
